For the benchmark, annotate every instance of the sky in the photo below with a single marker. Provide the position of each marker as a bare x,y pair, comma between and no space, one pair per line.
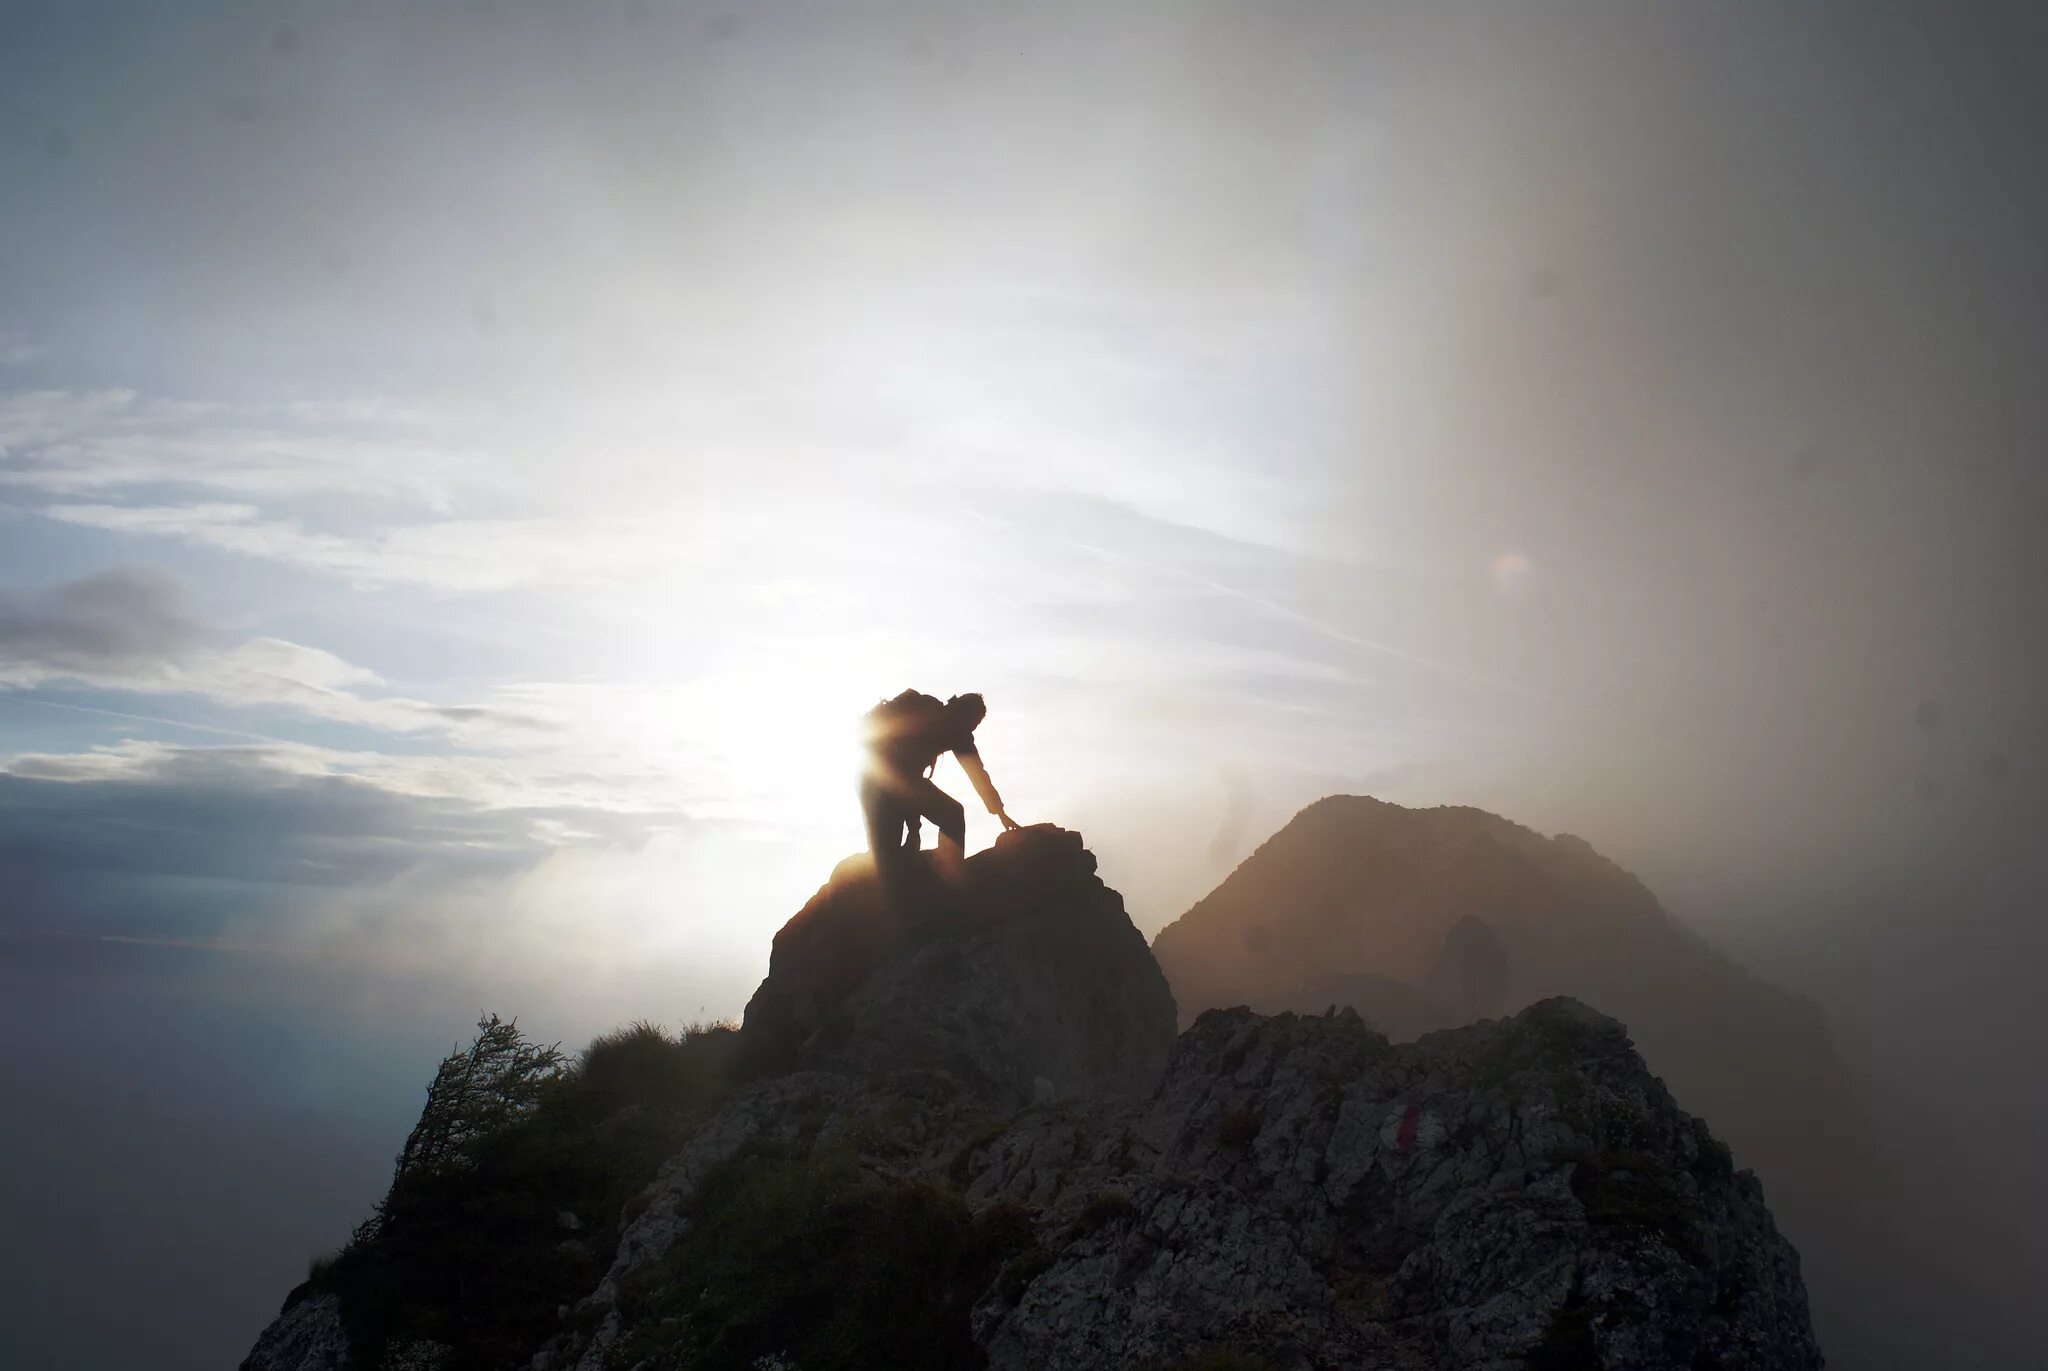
464,469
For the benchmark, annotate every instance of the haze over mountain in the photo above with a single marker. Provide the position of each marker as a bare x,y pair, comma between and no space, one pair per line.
465,468
1423,919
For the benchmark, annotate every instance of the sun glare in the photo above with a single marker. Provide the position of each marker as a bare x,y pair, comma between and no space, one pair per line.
790,736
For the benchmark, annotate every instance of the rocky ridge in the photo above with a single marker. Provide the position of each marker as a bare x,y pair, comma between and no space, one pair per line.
992,1065
1427,918
1024,982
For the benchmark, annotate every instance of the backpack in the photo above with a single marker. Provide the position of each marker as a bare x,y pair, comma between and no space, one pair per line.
901,719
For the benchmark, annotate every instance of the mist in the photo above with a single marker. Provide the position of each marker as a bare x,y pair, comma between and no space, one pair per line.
463,472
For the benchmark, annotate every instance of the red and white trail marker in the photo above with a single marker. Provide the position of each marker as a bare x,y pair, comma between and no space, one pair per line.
1410,1128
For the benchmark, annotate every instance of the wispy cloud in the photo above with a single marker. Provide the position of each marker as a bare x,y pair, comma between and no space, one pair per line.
480,783
69,443
455,556
129,630
18,349
291,848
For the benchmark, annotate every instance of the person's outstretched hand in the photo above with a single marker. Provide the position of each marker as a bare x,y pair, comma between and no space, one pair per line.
1009,823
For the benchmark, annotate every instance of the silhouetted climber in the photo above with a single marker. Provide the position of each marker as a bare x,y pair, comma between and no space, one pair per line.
905,736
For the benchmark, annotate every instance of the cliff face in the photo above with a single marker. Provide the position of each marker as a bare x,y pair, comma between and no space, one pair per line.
1426,918
972,1139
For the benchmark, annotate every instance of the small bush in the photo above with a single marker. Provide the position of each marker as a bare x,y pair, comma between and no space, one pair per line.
960,1170
1108,1207
475,1097
465,1253
1716,1161
812,1259
1633,1190
1007,1224
1235,1130
1022,1269
645,1065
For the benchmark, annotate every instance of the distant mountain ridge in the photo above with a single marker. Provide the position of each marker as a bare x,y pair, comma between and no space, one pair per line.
1426,918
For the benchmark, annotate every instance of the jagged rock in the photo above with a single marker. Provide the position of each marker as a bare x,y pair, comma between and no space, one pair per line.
1481,1199
1513,1194
1026,970
307,1336
1357,901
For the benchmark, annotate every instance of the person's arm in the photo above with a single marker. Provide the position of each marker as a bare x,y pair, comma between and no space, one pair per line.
970,762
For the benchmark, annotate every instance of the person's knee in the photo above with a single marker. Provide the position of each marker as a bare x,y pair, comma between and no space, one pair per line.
951,818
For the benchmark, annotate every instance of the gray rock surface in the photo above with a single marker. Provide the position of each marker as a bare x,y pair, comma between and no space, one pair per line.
1489,1197
1519,1193
307,1336
1428,918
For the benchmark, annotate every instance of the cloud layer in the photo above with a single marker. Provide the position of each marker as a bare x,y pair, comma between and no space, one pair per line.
130,630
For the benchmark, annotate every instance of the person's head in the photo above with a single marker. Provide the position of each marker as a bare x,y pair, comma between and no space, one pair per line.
967,711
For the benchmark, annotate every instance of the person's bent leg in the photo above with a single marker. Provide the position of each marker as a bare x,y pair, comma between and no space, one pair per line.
885,816
952,822
944,811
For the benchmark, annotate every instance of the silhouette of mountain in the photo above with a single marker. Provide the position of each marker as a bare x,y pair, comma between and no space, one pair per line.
1426,918
957,1130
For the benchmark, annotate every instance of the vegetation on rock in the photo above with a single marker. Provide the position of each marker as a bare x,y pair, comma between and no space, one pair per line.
813,1259
506,1200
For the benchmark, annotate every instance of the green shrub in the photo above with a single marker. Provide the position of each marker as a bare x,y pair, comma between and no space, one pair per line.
1107,1207
1716,1161
1236,1129
476,1095
812,1258
644,1065
961,1168
1633,1190
1018,1273
467,1252
1007,1224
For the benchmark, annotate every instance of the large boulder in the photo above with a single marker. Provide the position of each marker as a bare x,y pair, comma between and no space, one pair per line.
1022,979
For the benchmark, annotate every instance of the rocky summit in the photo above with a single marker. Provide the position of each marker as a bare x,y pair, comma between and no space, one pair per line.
1024,981
1423,919
961,1132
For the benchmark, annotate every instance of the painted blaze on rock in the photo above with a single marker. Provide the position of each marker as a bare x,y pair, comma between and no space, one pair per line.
1411,1127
